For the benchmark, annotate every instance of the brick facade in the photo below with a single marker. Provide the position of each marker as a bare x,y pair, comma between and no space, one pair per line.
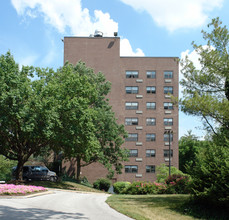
141,103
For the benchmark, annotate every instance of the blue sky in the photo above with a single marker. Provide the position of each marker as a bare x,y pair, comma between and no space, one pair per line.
32,29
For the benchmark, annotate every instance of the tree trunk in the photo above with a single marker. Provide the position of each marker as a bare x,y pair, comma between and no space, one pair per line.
78,159
19,170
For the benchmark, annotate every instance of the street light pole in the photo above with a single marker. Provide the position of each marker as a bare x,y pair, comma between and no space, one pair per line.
169,152
169,132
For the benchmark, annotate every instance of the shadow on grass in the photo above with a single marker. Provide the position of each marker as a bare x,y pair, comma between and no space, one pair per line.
204,211
181,204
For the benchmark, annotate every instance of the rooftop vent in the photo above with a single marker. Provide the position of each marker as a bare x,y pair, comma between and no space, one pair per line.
98,33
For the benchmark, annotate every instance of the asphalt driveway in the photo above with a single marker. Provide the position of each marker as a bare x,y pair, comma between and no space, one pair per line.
59,205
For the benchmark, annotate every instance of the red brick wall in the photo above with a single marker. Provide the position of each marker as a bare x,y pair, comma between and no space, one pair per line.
102,54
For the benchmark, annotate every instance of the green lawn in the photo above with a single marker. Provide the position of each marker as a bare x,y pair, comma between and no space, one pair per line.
160,207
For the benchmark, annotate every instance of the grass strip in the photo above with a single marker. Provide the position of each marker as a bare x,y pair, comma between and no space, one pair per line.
164,207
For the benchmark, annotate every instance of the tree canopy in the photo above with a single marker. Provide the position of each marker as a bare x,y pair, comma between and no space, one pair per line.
27,116
206,90
89,131
210,175
64,110
6,168
189,146
206,94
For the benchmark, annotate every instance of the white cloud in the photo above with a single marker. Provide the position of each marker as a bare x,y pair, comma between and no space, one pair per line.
194,57
175,14
187,122
69,15
126,49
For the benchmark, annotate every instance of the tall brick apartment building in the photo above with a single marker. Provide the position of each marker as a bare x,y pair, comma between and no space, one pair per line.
140,100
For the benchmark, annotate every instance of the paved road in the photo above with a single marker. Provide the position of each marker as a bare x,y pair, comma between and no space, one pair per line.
59,205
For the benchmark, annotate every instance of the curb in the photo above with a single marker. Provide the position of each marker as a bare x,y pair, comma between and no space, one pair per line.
49,191
39,194
27,196
76,191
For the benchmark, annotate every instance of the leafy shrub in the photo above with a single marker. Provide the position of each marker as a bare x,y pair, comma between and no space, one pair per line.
120,187
177,184
69,178
136,188
6,166
210,175
84,181
102,184
163,172
140,188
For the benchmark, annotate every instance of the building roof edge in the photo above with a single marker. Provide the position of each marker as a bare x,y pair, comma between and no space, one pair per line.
146,57
89,37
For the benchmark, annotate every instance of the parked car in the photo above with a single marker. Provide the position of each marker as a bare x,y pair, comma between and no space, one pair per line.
37,173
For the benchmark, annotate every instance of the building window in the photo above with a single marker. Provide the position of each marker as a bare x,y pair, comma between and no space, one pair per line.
168,74
168,90
150,137
166,153
150,121
131,74
150,153
168,121
131,121
131,89
151,74
168,105
166,137
151,89
131,169
133,153
150,169
131,105
150,105
132,137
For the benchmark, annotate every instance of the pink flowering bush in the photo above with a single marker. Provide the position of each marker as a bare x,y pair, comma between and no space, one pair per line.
140,188
175,184
11,189
178,184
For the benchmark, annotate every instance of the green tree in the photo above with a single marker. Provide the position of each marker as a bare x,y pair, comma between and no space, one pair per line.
111,136
210,175
163,172
206,90
27,115
206,94
189,145
6,166
66,110
89,131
